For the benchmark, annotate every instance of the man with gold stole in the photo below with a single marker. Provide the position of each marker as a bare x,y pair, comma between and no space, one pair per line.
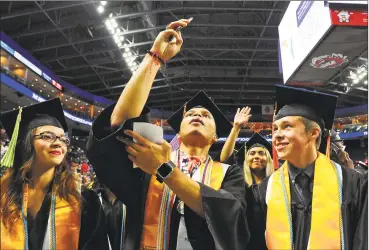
175,200
310,202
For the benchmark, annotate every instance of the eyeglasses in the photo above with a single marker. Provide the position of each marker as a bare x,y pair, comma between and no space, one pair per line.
51,137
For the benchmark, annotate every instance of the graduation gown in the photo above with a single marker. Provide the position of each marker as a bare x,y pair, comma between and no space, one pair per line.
92,234
113,219
224,225
354,213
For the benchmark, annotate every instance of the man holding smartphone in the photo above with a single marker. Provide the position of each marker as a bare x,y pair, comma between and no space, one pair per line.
174,200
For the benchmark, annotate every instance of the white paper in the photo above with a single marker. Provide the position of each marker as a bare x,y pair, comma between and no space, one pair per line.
149,131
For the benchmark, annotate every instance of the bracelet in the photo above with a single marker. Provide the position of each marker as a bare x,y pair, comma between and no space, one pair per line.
156,55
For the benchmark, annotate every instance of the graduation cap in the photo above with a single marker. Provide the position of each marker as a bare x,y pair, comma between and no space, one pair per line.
202,100
256,140
315,106
19,122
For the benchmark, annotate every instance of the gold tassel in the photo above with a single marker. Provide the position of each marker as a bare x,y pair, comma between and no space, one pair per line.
8,158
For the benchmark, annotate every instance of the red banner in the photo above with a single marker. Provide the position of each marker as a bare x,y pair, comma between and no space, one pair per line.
345,17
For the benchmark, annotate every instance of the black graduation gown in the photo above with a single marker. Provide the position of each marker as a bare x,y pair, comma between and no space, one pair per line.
224,225
354,213
92,234
113,219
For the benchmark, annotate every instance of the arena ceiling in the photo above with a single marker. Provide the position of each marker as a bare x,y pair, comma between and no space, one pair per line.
230,49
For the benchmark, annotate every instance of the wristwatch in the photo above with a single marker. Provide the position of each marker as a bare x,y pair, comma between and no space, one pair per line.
164,171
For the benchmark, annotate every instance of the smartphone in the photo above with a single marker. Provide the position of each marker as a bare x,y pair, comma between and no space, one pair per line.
179,28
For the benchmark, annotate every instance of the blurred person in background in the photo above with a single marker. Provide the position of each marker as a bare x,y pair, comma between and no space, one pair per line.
338,153
257,164
240,121
256,158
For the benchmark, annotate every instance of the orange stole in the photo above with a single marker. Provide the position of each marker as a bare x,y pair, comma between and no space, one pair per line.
67,224
153,220
67,227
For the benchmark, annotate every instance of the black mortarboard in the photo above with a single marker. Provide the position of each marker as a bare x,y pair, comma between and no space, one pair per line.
18,122
47,113
256,140
315,106
201,99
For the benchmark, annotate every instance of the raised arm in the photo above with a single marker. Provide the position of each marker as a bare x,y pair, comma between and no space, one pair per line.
136,92
240,120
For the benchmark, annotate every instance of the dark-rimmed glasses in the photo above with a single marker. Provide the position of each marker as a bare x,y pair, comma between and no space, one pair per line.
51,138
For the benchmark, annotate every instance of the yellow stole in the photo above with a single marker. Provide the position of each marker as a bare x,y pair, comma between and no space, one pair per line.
326,221
160,200
62,231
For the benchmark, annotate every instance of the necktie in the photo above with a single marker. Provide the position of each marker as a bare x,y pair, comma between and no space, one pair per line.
303,185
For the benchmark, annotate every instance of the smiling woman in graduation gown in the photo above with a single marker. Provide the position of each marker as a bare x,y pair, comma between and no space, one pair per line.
258,149
328,203
58,215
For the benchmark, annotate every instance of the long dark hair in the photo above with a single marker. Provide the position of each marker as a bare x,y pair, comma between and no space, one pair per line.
12,182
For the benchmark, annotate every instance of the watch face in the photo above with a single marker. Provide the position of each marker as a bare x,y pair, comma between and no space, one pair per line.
165,169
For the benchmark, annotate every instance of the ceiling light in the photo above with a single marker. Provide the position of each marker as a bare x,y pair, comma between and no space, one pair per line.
352,74
355,81
70,98
41,91
111,14
366,82
130,64
79,101
52,91
119,44
36,79
75,104
100,9
112,31
127,49
117,30
134,64
45,86
66,100
121,38
125,54
32,85
103,3
108,24
129,54
114,23
48,95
